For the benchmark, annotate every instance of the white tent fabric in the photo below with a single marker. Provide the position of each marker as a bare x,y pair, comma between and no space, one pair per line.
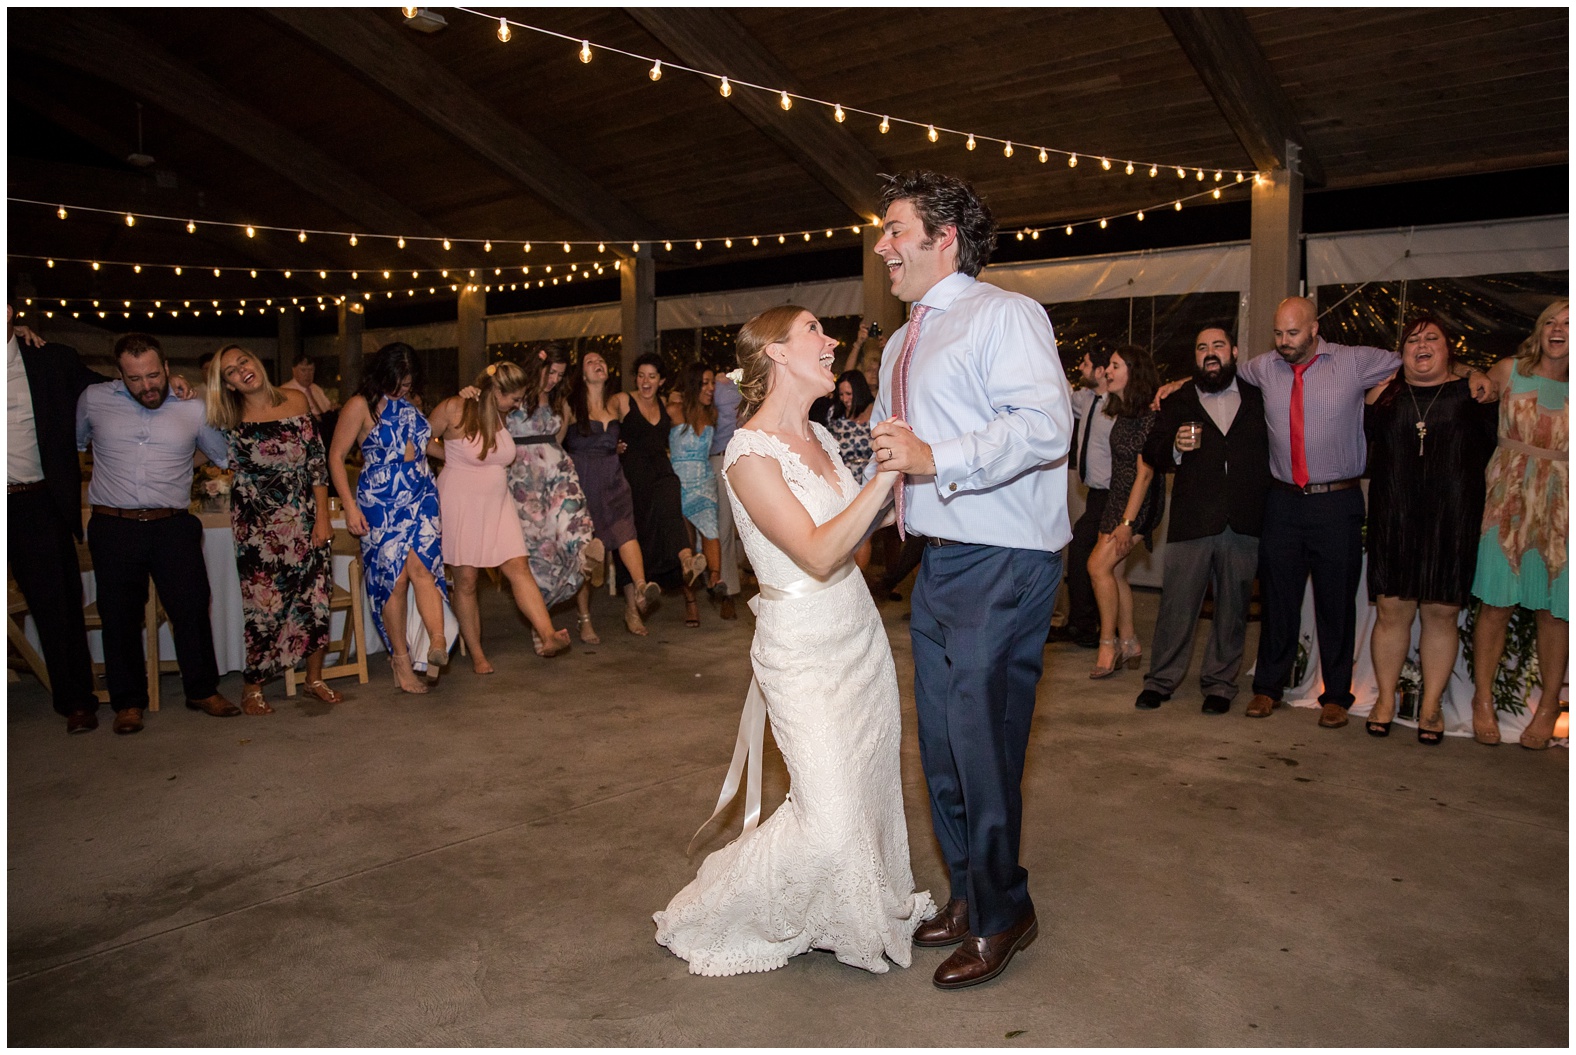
1220,268
1446,251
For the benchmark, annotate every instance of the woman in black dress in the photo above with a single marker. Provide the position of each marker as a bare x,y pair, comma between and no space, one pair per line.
658,495
1133,509
1430,444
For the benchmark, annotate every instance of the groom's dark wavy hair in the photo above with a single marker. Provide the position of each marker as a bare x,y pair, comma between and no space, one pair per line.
943,201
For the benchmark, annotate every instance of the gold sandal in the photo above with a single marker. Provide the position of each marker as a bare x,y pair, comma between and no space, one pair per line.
588,634
319,690
252,703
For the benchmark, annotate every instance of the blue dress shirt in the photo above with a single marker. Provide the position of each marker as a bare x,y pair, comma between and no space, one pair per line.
987,391
142,459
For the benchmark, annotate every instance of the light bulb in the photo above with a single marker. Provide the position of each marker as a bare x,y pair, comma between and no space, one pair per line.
254,274
528,247
1239,177
354,276
828,233
725,88
930,134
95,265
601,247
1007,150
401,242
727,243
585,51
656,70
487,246
886,126
1105,163
635,247
49,263
1179,205
503,30
1153,171
781,239
566,247
1200,174
854,229
837,113
668,246
445,243
1129,169
1218,175
322,274
352,239
785,102
1072,161
1034,234
1069,228
1181,173
1140,216
385,274
807,236
136,268
177,271
131,221
1020,236
697,243
755,241
1044,157
1102,223
1216,192
61,212
409,12
300,236
970,143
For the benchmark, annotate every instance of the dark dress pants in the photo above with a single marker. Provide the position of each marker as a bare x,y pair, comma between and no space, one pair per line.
1083,613
978,630
43,559
1227,562
125,554
1322,536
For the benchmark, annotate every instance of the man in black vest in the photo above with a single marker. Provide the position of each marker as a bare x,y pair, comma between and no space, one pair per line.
1211,433
44,510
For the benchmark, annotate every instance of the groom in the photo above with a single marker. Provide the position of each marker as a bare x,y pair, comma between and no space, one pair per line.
985,423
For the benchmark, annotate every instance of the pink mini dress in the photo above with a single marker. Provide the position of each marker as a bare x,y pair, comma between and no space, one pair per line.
481,528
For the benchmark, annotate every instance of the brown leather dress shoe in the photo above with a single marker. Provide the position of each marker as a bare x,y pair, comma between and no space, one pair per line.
215,705
1261,706
128,720
83,721
1332,717
947,927
981,959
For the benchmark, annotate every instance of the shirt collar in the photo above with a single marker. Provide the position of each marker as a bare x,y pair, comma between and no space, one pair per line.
949,289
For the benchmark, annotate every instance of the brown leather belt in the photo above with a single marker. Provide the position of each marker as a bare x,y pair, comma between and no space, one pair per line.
136,514
1315,489
932,540
22,489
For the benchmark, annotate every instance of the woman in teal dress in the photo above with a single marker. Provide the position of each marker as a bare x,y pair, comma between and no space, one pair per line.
1524,553
689,448
395,508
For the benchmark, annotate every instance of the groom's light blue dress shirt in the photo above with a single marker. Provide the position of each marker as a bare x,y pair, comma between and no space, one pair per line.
987,391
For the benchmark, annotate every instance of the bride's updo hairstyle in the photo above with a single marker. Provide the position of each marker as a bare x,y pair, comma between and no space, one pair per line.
769,327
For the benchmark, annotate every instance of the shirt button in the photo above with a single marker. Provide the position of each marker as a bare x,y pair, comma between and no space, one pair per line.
952,487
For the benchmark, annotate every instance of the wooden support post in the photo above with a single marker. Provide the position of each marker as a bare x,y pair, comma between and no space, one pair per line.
1275,256
352,326
289,346
637,285
472,333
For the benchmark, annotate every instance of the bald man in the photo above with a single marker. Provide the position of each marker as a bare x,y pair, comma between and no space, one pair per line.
1313,514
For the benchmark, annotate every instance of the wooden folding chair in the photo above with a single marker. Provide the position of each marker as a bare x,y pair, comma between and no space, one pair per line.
16,611
351,646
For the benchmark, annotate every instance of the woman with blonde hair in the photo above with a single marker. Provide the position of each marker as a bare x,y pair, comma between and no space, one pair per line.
481,528
1524,552
279,514
829,869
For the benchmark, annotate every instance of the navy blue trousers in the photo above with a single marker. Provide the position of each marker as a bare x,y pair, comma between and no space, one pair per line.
978,629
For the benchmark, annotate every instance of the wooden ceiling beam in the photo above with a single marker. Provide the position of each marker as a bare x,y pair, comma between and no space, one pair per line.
1221,46
107,48
710,38
380,53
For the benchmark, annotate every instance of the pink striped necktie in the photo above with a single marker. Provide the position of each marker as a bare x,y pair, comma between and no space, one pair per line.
900,401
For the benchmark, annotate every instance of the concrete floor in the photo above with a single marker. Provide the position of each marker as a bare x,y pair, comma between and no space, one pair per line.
480,865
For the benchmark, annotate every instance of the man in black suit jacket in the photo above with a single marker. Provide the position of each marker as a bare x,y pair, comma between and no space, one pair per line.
44,507
1211,433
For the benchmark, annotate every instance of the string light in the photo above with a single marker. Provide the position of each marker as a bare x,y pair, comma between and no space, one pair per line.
1154,171
487,246
446,244
503,30
1181,173
725,88
61,212
409,12
1044,157
784,101
585,51
838,115
970,143
131,221
1072,161
1007,150
886,126
401,242
1129,169
300,236
656,70
931,134
352,240
1140,216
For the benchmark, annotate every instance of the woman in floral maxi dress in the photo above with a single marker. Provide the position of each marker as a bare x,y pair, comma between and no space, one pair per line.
280,517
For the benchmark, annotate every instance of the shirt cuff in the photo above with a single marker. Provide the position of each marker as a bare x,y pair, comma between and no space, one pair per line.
952,474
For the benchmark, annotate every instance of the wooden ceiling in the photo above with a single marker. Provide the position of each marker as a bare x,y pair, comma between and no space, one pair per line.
349,120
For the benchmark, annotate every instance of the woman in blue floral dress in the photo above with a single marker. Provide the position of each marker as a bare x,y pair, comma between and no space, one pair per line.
547,492
689,449
279,514
395,508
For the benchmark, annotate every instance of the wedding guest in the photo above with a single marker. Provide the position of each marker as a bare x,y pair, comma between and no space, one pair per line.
654,487
689,449
592,439
1091,460
1133,508
554,514
481,528
1313,514
324,411
44,511
279,514
1429,444
725,398
143,444
1524,553
1211,434
394,510
850,426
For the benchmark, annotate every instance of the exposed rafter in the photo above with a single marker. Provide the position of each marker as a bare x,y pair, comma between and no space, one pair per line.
105,47
1229,61
378,52
710,38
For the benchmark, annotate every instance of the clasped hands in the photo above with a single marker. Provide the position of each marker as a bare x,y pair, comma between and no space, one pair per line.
897,449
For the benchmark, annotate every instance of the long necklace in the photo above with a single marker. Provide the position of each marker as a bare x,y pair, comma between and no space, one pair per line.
1422,415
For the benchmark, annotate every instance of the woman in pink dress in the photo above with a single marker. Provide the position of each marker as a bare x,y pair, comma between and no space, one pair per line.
481,527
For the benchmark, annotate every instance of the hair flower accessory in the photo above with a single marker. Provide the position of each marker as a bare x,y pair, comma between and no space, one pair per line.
492,369
735,375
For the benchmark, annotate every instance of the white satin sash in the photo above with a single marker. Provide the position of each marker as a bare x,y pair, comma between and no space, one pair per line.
751,740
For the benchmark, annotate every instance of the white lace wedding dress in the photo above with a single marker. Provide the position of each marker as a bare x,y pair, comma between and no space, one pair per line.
830,868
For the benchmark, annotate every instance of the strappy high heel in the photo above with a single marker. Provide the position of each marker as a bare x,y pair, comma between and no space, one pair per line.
437,657
395,659
1132,653
1485,722
1097,671
588,634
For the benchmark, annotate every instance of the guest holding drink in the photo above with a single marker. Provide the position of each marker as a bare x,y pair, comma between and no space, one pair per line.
394,510
1132,510
481,528
1524,551
1429,444
279,513
689,449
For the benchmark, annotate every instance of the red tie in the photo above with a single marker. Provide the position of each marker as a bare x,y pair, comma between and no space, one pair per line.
1299,456
900,400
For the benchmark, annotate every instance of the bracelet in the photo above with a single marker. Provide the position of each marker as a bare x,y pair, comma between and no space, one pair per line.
1125,523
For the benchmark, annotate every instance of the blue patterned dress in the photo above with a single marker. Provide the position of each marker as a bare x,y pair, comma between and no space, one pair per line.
553,512
400,501
691,458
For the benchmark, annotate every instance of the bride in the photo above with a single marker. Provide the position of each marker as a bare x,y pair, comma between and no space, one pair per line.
829,869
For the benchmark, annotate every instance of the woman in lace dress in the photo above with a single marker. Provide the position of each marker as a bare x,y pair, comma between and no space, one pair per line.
829,869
